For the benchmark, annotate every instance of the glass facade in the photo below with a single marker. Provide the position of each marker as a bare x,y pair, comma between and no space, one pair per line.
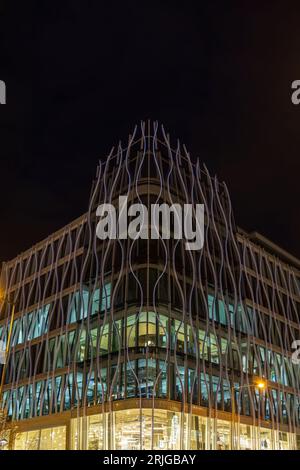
136,429
110,326
43,439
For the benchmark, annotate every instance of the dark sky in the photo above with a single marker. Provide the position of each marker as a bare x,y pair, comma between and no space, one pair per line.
79,75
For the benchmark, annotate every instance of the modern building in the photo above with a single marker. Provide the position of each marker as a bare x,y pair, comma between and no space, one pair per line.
142,344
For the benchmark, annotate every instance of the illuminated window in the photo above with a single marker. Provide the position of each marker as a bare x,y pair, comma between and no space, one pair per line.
45,439
131,329
142,325
95,432
198,433
53,438
246,437
147,329
223,435
151,340
27,440
265,439
82,346
127,430
283,440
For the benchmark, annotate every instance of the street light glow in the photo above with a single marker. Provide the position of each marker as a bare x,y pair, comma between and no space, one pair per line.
261,385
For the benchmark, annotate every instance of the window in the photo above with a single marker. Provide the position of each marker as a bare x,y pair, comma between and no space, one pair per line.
131,331
217,391
178,335
53,438
81,349
214,349
131,379
222,312
116,344
105,297
162,331
231,315
79,306
27,440
192,385
78,385
95,434
101,385
90,390
162,381
246,440
211,307
146,376
40,321
205,387
104,338
117,381
30,326
223,436
227,395
68,392
151,340
198,433
265,439
147,329
142,329
57,395
190,341
101,302
180,383
80,303
203,344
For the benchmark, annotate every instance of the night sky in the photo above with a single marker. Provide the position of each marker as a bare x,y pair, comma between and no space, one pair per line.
80,75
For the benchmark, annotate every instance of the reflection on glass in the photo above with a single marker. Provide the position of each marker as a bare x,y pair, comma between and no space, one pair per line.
223,436
246,441
265,439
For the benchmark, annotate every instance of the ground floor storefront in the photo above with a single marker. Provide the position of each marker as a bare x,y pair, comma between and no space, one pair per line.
135,428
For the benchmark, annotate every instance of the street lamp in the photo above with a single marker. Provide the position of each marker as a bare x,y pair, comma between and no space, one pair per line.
4,299
261,384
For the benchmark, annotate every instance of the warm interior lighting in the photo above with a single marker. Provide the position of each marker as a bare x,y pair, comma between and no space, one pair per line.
3,442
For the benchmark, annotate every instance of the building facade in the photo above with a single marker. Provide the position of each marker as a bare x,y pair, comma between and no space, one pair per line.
142,344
